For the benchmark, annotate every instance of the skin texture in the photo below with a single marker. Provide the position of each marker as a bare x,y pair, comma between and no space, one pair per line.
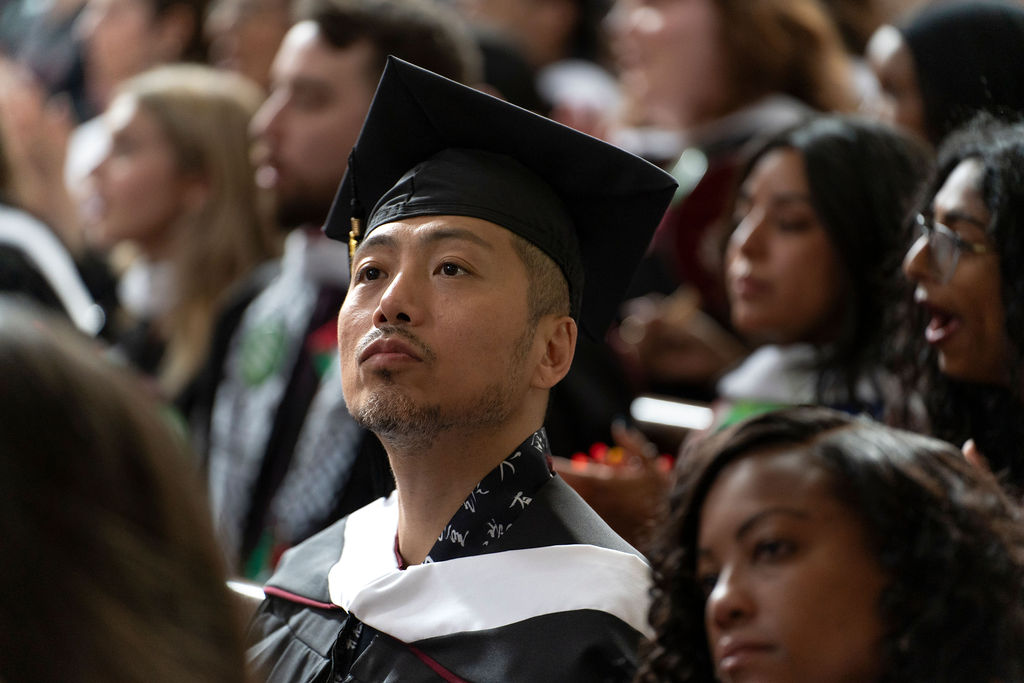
670,59
309,123
439,359
900,101
968,325
782,274
445,292
793,588
141,163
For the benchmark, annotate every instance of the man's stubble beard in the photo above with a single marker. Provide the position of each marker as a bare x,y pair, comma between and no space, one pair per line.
403,424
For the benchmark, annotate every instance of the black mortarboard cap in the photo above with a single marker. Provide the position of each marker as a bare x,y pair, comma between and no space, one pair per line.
431,146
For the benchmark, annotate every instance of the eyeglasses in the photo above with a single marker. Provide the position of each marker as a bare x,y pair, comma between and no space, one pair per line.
944,245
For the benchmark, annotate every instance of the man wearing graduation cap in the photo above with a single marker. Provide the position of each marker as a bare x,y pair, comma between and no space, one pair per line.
489,234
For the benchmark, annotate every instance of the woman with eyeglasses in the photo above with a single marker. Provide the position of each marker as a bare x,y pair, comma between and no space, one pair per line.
967,266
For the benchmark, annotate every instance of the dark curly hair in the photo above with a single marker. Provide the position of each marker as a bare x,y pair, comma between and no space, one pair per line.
863,178
947,536
991,415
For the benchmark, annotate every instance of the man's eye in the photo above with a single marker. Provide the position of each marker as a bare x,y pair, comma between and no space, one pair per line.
369,273
451,269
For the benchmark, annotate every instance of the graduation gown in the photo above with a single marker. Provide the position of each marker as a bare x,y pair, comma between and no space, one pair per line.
555,595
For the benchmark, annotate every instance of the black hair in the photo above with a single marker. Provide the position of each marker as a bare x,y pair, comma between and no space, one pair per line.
862,178
956,410
968,58
949,540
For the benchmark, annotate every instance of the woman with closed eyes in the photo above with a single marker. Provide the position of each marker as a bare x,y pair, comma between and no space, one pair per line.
808,546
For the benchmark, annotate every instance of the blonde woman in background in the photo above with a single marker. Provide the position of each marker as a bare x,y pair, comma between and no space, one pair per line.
176,189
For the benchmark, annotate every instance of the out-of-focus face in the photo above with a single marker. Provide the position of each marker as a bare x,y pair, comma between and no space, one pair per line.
541,28
118,41
140,190
306,128
783,277
967,326
899,102
434,334
671,60
793,587
244,35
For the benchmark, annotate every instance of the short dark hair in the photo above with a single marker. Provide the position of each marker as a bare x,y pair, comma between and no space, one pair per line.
949,539
548,290
423,32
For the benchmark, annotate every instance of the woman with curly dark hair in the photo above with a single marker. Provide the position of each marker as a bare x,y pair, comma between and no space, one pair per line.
807,545
965,328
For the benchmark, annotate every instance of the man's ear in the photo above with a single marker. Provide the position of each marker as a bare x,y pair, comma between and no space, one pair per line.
558,335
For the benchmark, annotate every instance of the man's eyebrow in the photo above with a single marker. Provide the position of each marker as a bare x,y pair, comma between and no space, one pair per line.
377,240
380,240
453,233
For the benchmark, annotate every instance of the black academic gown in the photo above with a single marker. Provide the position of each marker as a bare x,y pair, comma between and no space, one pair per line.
559,597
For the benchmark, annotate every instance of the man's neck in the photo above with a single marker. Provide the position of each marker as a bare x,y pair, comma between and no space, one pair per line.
433,482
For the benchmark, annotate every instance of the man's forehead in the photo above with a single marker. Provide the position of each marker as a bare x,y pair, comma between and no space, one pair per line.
426,230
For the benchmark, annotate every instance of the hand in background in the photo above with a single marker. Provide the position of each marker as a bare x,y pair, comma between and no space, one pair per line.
628,490
671,340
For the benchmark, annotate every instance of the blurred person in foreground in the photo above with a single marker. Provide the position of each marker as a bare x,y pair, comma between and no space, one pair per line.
284,457
481,236
965,325
111,566
805,545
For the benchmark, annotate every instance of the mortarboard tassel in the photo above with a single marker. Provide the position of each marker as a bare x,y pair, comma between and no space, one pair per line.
355,233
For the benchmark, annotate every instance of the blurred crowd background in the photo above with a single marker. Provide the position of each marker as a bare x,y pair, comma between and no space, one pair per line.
848,229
